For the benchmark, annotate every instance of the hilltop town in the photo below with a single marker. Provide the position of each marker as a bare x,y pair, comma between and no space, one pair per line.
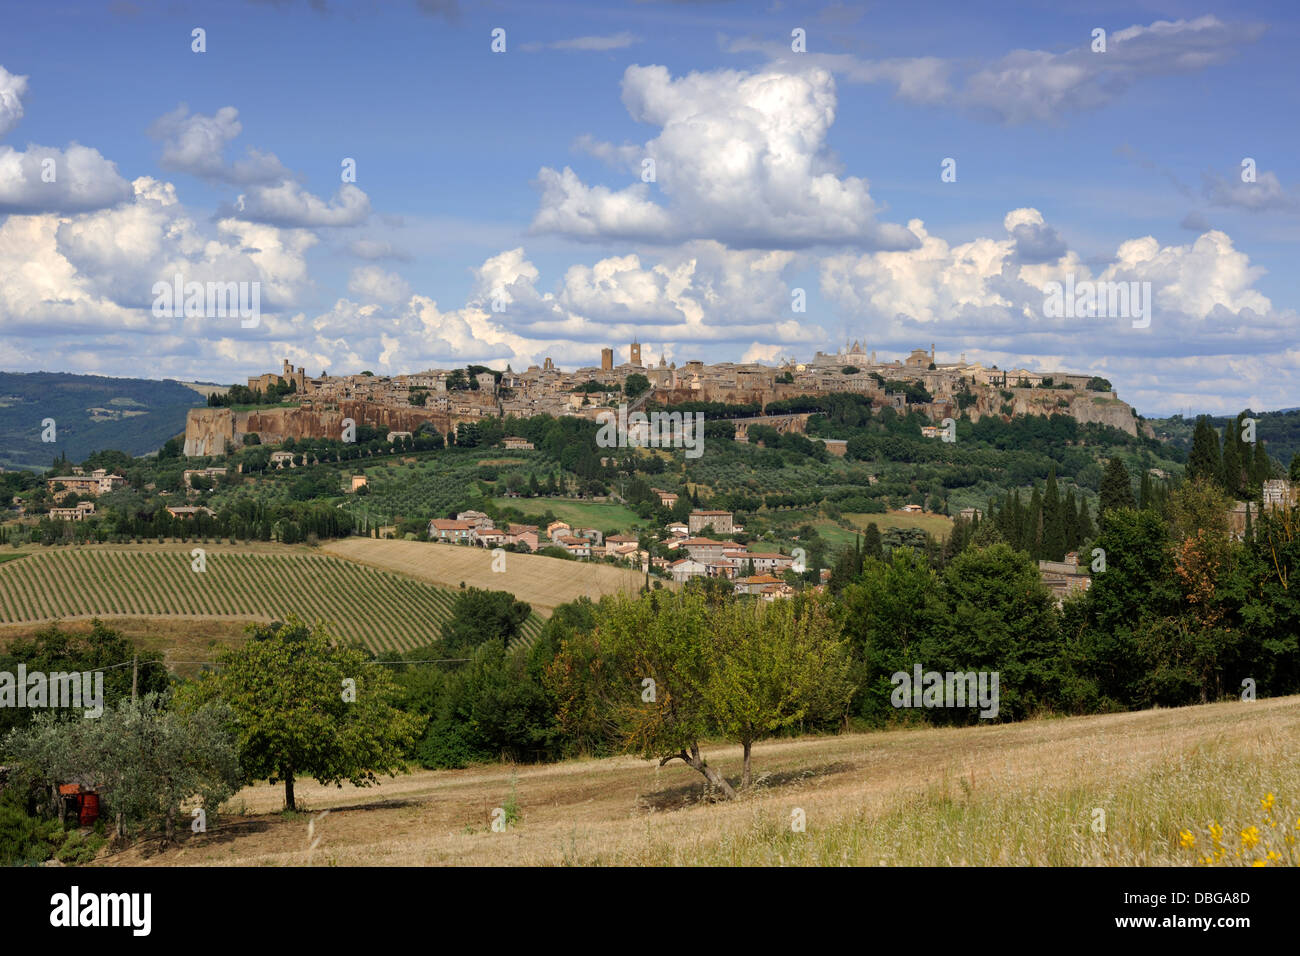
315,407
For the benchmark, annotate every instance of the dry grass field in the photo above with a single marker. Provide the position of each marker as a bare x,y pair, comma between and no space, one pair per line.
543,582
1017,794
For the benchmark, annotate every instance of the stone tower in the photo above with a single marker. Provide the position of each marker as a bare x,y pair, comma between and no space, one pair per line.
606,360
635,353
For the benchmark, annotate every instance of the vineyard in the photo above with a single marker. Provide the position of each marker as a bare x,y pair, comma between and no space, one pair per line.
381,609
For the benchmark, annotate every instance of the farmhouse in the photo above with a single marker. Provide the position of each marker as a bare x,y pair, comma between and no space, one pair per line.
558,528
578,547
476,518
755,583
719,521
281,458
98,482
443,529
515,443
358,481
189,511
522,534
83,510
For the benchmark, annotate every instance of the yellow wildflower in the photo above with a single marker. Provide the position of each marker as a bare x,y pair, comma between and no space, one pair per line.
1267,802
1187,839
1249,837
1259,863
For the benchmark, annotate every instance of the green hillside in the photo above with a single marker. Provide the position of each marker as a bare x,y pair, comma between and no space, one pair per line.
90,412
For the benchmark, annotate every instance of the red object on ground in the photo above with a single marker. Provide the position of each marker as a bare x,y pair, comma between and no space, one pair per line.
88,809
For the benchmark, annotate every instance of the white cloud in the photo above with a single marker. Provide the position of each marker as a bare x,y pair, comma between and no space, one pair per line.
45,179
1025,86
986,294
12,90
194,143
374,283
740,158
287,204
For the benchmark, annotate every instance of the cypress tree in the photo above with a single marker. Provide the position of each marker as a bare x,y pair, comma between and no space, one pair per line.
1232,465
1262,470
871,542
1116,488
1070,511
1204,460
1034,540
1144,494
1053,520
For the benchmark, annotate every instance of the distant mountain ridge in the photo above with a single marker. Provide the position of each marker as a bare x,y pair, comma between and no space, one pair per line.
90,413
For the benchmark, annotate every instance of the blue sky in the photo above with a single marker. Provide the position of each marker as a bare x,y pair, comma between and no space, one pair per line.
514,180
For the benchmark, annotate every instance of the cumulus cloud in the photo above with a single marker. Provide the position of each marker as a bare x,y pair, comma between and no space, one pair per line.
1265,194
288,205
740,158
195,144
989,293
45,179
376,284
12,90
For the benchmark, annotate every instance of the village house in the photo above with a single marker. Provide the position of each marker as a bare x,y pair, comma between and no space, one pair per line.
667,499
1064,578
476,518
189,511
719,521
444,529
755,583
98,482
358,481
79,512
280,458
684,569
970,514
773,592
556,528
705,549
488,537
770,562
514,443
578,547
525,534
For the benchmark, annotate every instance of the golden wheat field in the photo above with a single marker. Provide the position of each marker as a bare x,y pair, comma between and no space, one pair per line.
542,581
1015,794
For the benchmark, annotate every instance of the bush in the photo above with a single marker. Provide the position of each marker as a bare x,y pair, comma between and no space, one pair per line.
25,840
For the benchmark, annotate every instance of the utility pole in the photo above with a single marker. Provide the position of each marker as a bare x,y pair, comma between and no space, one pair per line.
135,675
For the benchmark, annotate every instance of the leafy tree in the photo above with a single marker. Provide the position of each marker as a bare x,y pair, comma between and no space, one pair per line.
478,616
53,649
304,705
731,669
635,384
146,759
774,666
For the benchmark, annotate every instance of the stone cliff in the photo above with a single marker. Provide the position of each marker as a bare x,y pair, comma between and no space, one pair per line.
208,430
